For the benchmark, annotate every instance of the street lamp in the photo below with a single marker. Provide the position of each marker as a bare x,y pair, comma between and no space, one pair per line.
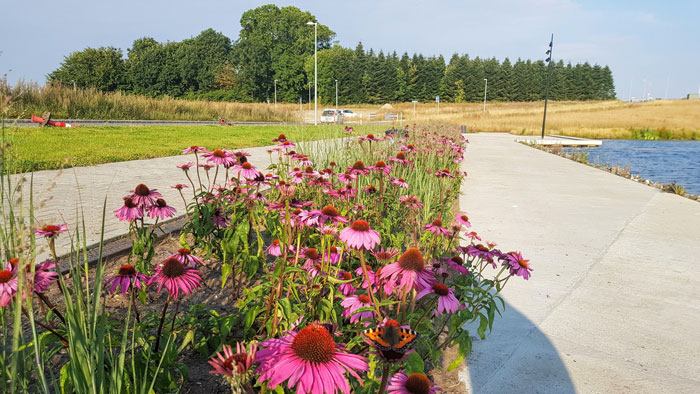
315,70
486,85
336,96
309,96
549,72
275,95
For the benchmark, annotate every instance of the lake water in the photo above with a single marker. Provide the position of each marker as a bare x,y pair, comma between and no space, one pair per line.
659,161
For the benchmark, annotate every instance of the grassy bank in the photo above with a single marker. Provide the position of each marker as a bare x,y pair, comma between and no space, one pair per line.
661,119
68,103
50,148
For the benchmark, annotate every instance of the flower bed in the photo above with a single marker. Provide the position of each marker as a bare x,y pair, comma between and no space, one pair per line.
344,267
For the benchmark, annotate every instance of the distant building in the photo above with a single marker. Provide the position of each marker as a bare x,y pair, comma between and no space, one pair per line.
693,96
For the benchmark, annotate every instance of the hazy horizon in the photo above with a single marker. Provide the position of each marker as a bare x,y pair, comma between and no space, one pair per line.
649,46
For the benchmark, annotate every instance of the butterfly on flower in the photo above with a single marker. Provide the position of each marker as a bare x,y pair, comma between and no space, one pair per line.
390,338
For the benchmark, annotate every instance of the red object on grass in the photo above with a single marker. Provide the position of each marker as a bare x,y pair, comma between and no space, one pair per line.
37,119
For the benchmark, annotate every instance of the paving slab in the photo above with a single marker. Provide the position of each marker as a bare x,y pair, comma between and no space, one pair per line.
613,305
59,194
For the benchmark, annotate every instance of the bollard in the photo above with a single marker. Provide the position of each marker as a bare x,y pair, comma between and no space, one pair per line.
464,129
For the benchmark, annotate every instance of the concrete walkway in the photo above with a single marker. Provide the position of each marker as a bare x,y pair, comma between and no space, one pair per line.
57,198
613,305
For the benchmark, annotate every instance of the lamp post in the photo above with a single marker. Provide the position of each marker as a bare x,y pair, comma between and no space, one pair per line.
315,70
336,96
486,85
549,72
309,96
275,95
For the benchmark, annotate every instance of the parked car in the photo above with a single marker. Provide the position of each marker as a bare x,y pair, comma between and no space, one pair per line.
349,114
330,115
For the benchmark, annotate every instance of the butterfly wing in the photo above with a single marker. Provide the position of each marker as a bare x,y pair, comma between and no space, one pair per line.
375,337
406,339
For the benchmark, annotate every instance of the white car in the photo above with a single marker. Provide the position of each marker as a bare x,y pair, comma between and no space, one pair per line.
330,115
349,114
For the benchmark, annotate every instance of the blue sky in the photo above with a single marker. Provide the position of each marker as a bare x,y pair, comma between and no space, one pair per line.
646,43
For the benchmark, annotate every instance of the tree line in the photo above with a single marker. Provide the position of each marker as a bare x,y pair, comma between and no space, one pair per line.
277,44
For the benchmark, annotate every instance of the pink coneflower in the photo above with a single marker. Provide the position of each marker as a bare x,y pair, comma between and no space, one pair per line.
400,182
328,213
8,284
194,149
186,166
355,302
51,230
408,273
346,177
286,144
456,263
411,202
246,170
436,228
303,159
44,274
179,186
298,178
463,220
328,230
220,219
142,195
161,210
235,367
280,138
447,302
176,277
310,360
129,211
310,172
286,190
220,157
472,236
186,257
349,129
358,168
481,251
241,155
126,277
311,255
415,383
274,249
444,173
360,236
517,264
385,256
369,137
409,148
331,256
371,274
400,158
346,288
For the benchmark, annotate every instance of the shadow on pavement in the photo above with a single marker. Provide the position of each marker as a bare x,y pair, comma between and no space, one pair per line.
515,358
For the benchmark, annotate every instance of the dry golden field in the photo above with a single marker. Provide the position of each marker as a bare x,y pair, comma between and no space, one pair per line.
678,119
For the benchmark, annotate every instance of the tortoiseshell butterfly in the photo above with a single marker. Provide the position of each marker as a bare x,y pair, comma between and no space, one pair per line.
391,336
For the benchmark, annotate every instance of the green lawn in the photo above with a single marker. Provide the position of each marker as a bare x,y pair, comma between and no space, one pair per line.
37,148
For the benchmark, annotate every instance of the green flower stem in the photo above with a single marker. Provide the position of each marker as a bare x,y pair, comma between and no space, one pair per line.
369,284
160,325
